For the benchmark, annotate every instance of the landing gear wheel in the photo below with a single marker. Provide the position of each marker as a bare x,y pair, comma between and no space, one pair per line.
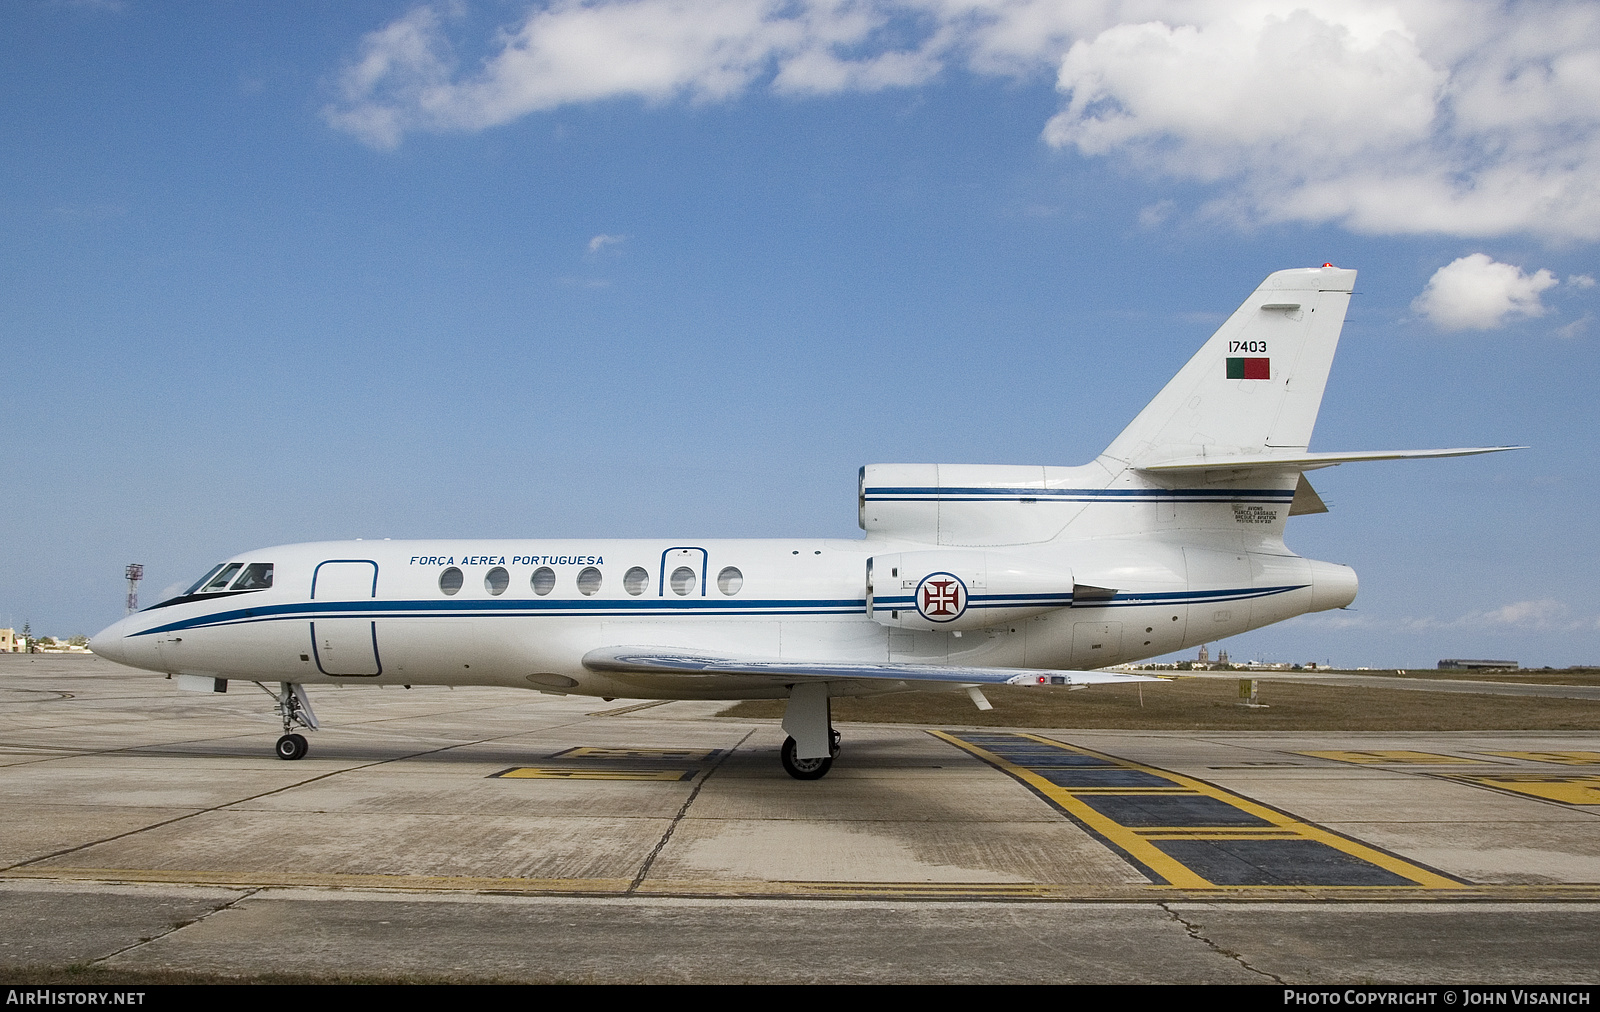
292,746
804,769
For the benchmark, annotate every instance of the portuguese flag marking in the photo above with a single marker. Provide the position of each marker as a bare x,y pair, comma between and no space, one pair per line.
1249,368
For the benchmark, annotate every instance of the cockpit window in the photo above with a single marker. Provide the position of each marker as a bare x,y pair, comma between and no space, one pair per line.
220,581
256,576
195,589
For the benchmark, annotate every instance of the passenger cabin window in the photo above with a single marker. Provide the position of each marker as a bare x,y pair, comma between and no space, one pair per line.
256,576
496,581
543,581
682,581
730,580
636,581
450,580
220,581
589,582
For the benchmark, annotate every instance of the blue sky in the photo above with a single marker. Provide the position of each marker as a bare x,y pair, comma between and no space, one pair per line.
646,268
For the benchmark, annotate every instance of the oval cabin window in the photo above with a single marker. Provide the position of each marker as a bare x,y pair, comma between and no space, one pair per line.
730,580
496,581
636,581
589,582
543,580
450,580
682,581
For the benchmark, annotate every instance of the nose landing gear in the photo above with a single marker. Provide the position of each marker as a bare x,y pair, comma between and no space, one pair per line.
294,706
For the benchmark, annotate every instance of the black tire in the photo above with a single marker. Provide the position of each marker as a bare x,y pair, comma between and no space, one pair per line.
292,746
803,769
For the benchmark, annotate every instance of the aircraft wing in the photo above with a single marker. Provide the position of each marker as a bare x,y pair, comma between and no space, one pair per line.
1311,461
666,660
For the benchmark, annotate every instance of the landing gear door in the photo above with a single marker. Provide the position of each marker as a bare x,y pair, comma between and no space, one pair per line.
344,641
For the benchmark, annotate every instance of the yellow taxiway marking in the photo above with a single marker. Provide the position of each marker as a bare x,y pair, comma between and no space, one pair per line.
1394,757
682,755
589,773
1569,790
1142,849
1573,758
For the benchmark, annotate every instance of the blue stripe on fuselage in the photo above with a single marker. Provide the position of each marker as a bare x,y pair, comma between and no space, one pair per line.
373,609
1083,495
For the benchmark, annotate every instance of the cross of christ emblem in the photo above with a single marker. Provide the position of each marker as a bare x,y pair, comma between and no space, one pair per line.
942,597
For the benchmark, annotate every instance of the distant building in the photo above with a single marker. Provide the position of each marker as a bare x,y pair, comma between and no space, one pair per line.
9,644
1472,665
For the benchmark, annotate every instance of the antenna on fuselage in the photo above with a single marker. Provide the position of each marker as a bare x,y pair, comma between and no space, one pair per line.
134,573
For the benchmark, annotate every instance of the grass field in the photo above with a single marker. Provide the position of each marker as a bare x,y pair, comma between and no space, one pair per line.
1211,704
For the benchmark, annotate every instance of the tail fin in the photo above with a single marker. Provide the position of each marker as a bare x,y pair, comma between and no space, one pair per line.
1255,387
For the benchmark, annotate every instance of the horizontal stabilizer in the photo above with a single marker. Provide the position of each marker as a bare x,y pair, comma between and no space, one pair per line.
663,661
1306,500
1308,461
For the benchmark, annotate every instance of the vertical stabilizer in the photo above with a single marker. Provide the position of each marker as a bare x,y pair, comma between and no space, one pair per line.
1255,387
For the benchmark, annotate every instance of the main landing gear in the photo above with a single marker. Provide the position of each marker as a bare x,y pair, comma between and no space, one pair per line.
808,769
808,752
294,706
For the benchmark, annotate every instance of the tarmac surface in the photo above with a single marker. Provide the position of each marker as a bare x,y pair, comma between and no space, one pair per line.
495,834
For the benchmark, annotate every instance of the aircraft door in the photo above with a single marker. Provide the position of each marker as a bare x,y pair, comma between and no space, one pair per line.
346,645
683,573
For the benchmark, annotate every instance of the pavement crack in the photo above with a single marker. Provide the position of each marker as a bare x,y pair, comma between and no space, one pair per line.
276,790
1194,931
644,869
178,926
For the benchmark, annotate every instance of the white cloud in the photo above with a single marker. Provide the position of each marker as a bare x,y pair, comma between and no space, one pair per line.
1576,327
1155,215
1477,293
657,50
1537,615
402,69
601,241
1433,116
1191,99
1542,615
1462,117
1581,281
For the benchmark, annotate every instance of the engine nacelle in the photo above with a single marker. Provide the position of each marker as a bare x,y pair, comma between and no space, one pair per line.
959,590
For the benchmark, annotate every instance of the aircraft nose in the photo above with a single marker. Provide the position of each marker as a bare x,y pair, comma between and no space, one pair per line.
108,643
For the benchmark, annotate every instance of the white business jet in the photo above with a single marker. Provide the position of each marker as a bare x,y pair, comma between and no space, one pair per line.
969,575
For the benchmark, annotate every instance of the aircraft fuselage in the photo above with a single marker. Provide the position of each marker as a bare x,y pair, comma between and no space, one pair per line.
395,612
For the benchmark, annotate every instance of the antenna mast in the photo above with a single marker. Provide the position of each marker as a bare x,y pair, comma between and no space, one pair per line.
134,573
